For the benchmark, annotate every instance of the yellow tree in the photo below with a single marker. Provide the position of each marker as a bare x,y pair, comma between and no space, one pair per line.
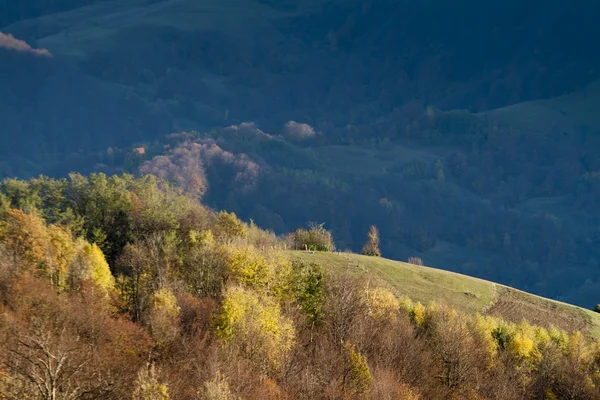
163,317
60,253
255,326
148,386
26,238
90,265
371,247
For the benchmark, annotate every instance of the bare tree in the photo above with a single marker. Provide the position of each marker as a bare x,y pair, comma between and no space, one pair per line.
51,363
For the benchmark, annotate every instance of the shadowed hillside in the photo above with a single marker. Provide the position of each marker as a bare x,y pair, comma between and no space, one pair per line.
465,131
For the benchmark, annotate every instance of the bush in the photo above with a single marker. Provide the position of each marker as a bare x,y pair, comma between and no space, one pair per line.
316,238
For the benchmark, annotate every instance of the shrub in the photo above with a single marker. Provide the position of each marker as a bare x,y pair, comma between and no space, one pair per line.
359,374
316,238
382,304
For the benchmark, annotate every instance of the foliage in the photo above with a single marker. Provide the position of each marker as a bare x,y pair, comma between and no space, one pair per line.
217,389
309,290
316,238
371,247
94,267
229,227
254,325
359,374
267,272
163,317
182,300
381,304
148,387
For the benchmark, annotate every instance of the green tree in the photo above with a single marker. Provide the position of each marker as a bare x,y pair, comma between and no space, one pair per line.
309,290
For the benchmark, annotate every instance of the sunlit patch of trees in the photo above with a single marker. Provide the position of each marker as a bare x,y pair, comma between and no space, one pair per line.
126,288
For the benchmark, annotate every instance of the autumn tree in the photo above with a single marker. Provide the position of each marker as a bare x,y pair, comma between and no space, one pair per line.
26,238
344,303
358,375
163,317
229,227
66,347
203,267
217,389
371,247
90,265
148,386
254,325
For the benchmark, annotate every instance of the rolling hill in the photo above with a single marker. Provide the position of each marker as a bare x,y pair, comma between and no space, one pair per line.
505,189
465,293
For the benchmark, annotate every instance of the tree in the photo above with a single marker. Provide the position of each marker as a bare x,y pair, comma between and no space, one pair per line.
91,265
59,346
266,272
26,238
203,267
229,227
309,290
148,387
316,238
217,389
163,317
371,247
358,374
254,326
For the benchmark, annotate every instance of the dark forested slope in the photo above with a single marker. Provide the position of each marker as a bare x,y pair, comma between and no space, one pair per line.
352,123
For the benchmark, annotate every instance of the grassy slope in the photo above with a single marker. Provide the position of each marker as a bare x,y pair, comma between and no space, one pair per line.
465,293
77,31
564,114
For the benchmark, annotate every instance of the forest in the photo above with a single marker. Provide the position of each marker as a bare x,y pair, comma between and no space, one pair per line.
468,134
117,287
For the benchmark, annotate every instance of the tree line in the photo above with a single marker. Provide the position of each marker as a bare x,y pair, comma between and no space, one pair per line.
122,287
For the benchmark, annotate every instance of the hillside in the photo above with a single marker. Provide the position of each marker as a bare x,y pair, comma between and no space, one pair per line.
468,138
465,293
569,114
129,288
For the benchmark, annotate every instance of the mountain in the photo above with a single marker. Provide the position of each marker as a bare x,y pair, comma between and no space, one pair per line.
465,131
121,287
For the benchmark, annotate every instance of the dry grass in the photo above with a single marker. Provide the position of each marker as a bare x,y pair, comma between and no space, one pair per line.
516,306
